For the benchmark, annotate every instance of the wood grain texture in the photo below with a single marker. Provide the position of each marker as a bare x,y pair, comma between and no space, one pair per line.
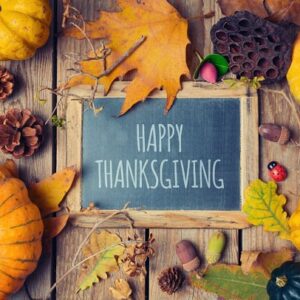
72,238
275,109
31,76
166,257
163,219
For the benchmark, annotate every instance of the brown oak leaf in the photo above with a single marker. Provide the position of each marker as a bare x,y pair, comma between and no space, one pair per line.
274,10
159,61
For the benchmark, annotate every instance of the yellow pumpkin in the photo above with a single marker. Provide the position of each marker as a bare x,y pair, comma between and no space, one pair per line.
293,75
294,223
21,229
24,27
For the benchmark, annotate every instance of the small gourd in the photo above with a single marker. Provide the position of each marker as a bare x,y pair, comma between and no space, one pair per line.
285,282
24,27
21,232
215,247
188,256
294,223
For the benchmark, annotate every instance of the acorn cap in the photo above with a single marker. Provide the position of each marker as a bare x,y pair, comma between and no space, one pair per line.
284,136
192,265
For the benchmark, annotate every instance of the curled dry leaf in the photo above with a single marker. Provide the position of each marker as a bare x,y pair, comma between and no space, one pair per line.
277,11
264,262
121,290
49,193
159,62
135,256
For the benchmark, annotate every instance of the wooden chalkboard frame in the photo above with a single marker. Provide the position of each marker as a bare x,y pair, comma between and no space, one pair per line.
70,153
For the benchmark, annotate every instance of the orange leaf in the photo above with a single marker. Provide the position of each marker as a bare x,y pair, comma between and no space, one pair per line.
54,225
257,261
48,193
159,61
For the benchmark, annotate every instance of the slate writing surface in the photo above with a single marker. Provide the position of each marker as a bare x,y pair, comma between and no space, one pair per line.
188,159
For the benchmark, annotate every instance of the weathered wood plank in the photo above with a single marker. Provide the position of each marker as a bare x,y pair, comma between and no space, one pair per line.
166,257
72,237
167,238
32,75
275,109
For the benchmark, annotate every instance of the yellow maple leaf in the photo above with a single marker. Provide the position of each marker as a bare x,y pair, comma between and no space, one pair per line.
159,62
264,207
110,247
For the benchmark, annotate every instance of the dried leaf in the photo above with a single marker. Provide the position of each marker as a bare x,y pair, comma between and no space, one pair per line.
110,247
284,10
276,11
230,282
264,207
135,256
49,193
293,75
121,290
54,225
257,261
229,7
160,61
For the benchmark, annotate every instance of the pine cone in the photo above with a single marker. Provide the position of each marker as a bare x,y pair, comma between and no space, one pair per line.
21,133
171,280
6,84
254,46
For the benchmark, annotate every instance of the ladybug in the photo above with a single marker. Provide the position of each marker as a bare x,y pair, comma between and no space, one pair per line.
277,171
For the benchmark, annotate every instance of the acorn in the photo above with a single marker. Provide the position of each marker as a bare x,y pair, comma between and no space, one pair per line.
275,133
188,256
215,247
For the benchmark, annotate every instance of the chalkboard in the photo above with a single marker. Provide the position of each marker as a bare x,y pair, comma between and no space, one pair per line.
188,159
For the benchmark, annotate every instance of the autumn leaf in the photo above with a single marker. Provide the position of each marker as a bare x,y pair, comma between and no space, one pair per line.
264,207
265,262
276,11
49,193
159,62
110,247
121,290
54,225
229,282
293,76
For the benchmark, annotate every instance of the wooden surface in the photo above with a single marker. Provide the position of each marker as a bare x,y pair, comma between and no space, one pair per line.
41,71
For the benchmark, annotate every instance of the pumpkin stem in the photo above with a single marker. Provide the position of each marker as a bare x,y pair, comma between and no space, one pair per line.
281,281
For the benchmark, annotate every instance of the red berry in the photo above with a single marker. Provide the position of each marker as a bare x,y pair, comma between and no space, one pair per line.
277,171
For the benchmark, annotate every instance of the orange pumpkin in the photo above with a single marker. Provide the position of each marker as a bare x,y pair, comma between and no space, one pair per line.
21,229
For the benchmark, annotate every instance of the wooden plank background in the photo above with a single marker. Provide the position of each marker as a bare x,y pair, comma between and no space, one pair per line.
48,68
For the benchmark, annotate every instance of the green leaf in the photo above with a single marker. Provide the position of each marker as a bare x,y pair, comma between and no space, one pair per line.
264,207
58,122
229,282
219,61
110,247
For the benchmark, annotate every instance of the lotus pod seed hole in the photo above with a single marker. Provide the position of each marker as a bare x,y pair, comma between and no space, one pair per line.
230,27
235,48
244,23
235,38
221,35
272,73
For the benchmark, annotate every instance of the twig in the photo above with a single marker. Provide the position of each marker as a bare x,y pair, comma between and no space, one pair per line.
203,16
81,262
123,211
